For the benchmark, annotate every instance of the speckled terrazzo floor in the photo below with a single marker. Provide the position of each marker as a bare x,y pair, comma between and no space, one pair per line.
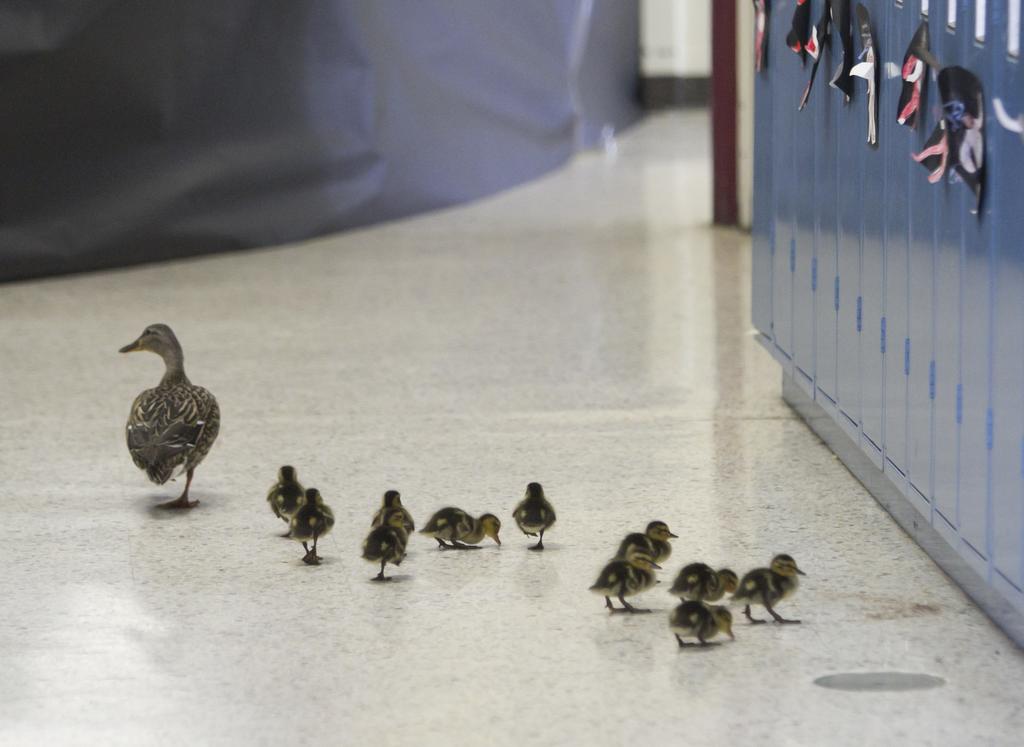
585,331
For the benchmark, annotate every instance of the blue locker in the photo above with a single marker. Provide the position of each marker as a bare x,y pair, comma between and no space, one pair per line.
784,67
761,260
952,206
897,141
805,191
850,134
974,339
922,216
906,308
827,103
872,280
1005,161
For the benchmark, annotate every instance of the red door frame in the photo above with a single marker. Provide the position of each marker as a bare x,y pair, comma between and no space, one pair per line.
723,111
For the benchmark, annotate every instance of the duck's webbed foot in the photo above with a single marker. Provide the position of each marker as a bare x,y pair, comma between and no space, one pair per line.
182,502
753,620
780,619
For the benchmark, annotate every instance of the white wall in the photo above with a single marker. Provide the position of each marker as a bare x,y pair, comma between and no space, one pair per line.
745,110
675,38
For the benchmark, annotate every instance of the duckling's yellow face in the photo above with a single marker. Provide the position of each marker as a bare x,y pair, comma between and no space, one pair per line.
659,530
729,580
784,565
491,525
395,519
723,617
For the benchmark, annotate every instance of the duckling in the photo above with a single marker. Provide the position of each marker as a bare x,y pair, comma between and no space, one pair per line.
655,541
698,620
458,527
701,583
171,427
287,495
312,521
393,499
626,578
386,543
769,586
534,514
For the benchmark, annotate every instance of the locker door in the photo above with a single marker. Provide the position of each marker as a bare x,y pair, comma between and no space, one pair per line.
851,151
897,141
784,67
827,102
807,198
1006,163
761,261
974,341
922,217
952,205
872,280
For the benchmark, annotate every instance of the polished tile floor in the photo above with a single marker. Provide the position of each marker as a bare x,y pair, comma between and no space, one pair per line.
587,331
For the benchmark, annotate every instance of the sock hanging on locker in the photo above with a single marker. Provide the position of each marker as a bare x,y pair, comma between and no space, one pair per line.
915,75
820,37
761,10
868,70
800,26
842,22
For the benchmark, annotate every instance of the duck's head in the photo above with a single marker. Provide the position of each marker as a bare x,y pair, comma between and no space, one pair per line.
156,338
723,617
784,565
491,525
392,499
286,474
729,580
395,519
534,490
659,530
313,497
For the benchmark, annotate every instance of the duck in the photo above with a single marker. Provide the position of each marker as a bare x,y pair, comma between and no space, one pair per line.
286,496
393,499
386,543
699,582
462,531
534,514
655,540
626,578
769,586
172,426
695,619
311,521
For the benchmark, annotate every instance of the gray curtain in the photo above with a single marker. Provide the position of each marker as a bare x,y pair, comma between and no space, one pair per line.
135,130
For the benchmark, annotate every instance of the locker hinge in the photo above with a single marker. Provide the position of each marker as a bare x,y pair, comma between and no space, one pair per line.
814,274
836,299
931,380
959,403
792,255
883,336
906,356
860,310
989,430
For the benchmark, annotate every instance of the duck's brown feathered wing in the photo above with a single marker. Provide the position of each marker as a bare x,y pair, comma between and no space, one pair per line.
171,428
